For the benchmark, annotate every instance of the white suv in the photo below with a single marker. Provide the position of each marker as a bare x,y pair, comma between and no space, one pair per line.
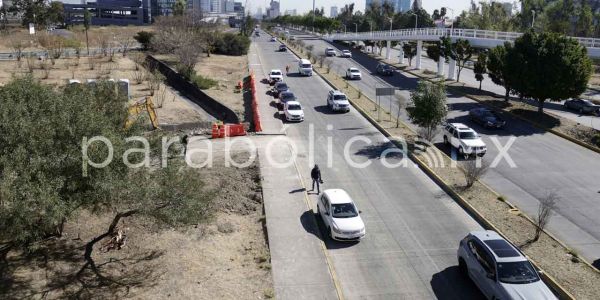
330,52
275,75
340,215
337,101
498,269
465,139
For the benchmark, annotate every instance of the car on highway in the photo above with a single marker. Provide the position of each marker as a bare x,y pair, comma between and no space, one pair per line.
498,268
353,73
273,39
279,88
582,106
340,215
292,38
282,48
256,33
337,101
330,52
293,111
346,53
305,67
385,69
486,118
464,139
285,97
275,75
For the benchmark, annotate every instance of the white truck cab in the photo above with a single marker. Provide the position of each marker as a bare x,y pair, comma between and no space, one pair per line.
305,67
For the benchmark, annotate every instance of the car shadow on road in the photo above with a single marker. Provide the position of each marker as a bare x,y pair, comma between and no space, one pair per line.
376,151
450,284
313,224
596,264
324,109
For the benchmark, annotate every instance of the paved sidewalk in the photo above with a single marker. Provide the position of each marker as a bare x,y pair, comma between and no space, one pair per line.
300,265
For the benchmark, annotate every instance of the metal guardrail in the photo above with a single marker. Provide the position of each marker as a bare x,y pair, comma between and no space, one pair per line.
435,33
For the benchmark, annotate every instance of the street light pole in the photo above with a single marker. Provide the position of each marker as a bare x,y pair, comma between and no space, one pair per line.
533,20
416,19
452,24
345,29
313,17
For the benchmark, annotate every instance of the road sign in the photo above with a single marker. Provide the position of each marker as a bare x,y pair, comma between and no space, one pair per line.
385,91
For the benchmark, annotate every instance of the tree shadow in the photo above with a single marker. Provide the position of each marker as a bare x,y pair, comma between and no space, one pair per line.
65,273
596,264
451,284
376,151
248,115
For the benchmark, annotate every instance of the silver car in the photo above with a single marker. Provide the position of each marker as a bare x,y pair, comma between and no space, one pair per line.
582,106
498,269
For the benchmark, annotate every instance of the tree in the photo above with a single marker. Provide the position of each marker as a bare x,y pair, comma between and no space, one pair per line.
584,25
480,68
179,7
33,11
144,38
56,13
410,51
461,51
498,67
434,52
248,24
87,22
430,109
473,170
551,66
545,207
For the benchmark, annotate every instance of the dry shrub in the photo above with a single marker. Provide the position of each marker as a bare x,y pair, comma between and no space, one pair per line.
473,170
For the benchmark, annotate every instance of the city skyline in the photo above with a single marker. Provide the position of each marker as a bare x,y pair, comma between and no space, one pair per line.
306,5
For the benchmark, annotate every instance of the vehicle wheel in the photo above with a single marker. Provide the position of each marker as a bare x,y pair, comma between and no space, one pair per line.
318,210
446,140
462,268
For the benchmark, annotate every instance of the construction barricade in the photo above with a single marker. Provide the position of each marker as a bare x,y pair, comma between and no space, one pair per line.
220,130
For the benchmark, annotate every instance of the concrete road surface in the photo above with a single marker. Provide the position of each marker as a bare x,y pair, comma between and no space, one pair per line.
413,227
544,162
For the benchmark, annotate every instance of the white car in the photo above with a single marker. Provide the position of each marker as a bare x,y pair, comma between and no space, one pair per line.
337,101
293,111
498,269
465,139
346,53
353,73
275,76
340,215
330,52
273,39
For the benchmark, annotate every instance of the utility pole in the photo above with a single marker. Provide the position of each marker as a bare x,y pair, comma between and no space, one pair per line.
533,20
313,17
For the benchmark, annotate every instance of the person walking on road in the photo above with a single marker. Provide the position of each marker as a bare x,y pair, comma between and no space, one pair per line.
315,174
184,141
287,69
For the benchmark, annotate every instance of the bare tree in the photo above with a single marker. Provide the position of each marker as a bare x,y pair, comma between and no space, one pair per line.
139,75
547,204
104,43
126,44
30,59
45,67
473,170
328,64
428,134
155,79
321,60
401,103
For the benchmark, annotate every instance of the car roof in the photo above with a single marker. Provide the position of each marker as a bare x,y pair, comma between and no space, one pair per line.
353,69
286,93
293,102
275,70
336,92
502,250
345,50
461,127
304,61
337,196
281,83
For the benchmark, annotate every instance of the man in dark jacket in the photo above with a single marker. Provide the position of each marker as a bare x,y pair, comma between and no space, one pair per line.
315,174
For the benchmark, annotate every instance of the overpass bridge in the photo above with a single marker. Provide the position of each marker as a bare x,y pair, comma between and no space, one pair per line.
477,38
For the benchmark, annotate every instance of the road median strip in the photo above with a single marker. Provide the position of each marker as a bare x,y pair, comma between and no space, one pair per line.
577,277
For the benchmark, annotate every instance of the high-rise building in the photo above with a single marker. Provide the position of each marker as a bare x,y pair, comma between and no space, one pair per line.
333,12
402,5
273,11
418,4
290,12
215,6
227,6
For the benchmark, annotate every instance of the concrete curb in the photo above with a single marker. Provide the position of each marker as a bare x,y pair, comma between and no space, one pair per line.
564,294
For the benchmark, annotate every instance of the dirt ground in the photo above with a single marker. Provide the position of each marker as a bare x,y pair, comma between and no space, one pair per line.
114,34
228,71
559,262
225,257
171,107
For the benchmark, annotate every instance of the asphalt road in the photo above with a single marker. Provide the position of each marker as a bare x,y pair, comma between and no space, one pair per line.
468,76
413,227
544,162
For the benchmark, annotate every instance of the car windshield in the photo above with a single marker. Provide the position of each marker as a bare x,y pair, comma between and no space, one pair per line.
488,114
275,73
587,103
468,135
354,71
288,96
305,65
344,210
294,107
339,97
345,51
520,272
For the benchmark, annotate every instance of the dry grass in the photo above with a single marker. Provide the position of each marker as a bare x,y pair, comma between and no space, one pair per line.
171,107
577,278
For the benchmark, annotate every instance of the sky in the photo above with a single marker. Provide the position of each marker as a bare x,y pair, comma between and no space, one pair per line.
303,6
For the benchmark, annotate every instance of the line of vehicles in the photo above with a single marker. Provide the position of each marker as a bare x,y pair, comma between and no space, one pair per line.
498,268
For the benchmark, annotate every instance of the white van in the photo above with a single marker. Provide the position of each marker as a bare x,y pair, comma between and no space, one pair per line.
305,67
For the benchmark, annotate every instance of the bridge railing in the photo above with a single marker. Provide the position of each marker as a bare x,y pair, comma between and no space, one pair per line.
439,32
